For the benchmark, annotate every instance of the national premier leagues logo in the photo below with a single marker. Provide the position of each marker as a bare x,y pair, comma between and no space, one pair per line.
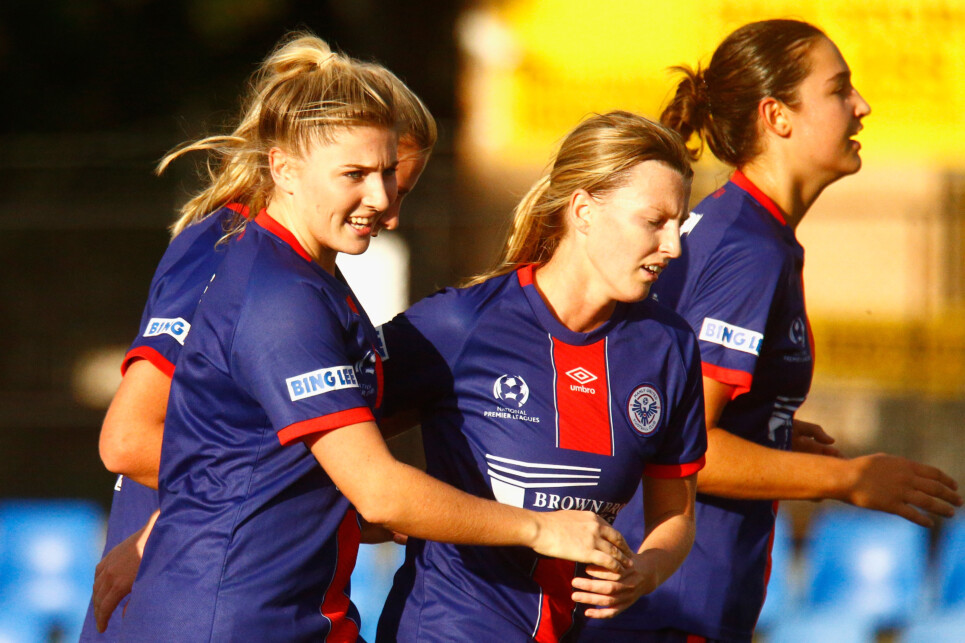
511,390
643,409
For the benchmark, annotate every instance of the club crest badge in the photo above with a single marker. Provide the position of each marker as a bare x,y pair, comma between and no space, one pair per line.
644,408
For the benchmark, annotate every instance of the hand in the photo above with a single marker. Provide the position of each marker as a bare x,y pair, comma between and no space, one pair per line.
811,438
609,593
900,486
371,534
581,536
114,576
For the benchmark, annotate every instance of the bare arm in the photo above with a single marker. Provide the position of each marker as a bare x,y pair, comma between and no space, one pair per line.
738,468
668,506
130,439
408,501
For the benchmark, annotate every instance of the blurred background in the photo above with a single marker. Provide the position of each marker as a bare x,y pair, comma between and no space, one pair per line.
96,91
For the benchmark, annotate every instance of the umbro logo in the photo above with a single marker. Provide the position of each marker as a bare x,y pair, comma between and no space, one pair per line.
581,376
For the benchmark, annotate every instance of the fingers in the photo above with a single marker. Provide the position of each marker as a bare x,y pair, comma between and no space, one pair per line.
608,557
936,474
615,537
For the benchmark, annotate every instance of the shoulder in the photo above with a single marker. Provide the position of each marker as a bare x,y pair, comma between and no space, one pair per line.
659,318
459,308
729,225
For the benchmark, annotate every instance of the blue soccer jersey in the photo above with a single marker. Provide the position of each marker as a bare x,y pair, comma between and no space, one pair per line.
521,409
739,284
181,276
254,541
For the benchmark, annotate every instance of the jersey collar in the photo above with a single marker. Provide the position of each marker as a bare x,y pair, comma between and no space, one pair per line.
745,184
268,223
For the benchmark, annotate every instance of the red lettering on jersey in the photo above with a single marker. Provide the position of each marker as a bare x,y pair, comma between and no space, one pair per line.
335,604
582,398
554,577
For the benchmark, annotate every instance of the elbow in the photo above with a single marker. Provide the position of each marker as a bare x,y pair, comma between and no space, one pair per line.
115,453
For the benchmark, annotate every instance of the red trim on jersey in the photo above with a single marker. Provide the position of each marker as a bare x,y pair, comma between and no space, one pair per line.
159,361
667,471
745,184
335,605
525,274
239,208
582,417
265,221
741,380
696,638
324,423
554,578
351,304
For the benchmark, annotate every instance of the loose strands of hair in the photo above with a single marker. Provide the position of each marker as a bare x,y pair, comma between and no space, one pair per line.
302,94
596,156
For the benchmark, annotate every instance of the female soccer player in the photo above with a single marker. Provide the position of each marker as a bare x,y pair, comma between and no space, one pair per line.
553,383
131,434
778,104
254,540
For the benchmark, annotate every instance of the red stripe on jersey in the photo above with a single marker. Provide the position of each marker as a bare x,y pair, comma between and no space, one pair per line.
160,362
525,274
555,578
583,417
745,184
351,305
674,470
324,423
336,602
265,221
696,638
739,379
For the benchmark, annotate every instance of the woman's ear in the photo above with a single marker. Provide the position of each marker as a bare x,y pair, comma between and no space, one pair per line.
581,210
283,168
774,116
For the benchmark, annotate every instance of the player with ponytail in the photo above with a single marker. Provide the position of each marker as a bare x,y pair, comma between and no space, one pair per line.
551,382
777,103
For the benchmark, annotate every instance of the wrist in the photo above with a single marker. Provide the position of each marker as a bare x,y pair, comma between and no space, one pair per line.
841,479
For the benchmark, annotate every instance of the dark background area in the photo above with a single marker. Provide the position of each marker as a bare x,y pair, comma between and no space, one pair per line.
95,92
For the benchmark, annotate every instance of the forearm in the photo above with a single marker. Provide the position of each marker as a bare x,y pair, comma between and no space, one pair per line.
738,468
665,548
433,510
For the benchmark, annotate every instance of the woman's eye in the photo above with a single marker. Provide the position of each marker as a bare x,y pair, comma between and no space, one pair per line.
355,175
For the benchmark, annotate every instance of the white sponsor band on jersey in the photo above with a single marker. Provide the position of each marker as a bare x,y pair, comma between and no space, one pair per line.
730,336
321,381
177,328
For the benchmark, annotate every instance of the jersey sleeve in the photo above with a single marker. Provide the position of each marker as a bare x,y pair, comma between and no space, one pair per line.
419,348
682,450
289,352
729,309
164,325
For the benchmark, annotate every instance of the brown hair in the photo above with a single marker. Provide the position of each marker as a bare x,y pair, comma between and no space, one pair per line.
596,156
719,104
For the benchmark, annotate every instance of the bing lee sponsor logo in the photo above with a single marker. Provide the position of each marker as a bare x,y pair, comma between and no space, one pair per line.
321,381
177,328
730,336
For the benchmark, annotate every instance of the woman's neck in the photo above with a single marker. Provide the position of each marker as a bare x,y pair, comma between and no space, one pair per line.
569,294
792,194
